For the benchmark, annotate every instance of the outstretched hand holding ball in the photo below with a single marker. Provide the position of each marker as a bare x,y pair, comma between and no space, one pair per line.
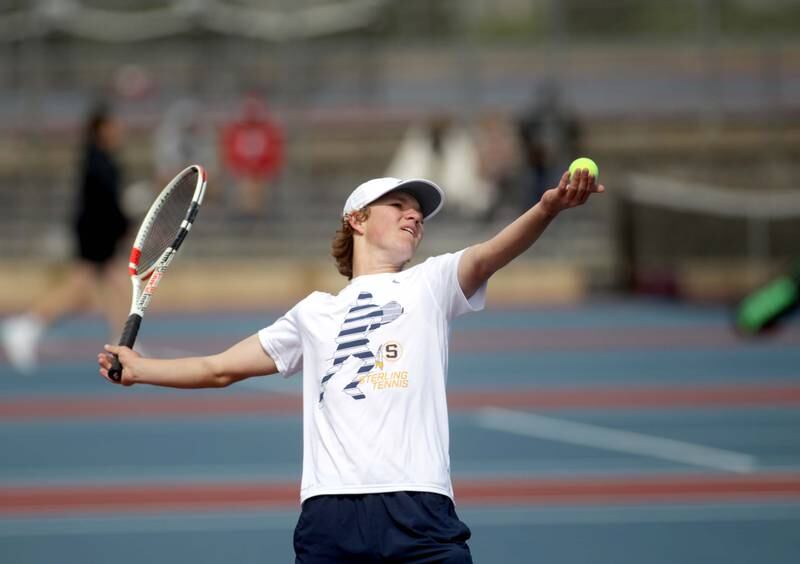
574,188
587,163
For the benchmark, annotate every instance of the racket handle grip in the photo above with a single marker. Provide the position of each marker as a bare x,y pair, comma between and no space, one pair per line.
128,338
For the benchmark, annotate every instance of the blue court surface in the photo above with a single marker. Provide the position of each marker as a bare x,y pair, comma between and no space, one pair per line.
612,432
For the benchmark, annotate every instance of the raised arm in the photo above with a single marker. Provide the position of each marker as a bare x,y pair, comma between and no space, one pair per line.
480,261
243,360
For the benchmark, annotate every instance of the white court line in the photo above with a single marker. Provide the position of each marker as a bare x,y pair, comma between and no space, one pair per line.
540,427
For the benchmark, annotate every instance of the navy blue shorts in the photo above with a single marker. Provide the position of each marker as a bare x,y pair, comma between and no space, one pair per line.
382,527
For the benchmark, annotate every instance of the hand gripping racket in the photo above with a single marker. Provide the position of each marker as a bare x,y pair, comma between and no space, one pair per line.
160,236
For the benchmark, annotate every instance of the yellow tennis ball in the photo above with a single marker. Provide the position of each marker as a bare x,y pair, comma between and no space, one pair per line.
585,162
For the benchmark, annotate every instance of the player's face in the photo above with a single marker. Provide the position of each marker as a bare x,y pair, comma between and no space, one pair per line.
395,223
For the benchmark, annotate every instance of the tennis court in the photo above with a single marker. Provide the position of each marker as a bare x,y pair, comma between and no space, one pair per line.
610,432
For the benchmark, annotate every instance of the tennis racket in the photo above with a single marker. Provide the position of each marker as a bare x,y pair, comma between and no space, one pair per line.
161,234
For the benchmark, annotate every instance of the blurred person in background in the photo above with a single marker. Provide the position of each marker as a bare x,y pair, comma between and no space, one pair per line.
181,139
499,161
100,224
253,152
550,138
376,483
446,152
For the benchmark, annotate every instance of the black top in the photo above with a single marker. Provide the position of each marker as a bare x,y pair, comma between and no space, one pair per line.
100,220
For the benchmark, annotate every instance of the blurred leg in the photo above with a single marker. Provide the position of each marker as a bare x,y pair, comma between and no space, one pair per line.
115,297
21,335
73,294
253,196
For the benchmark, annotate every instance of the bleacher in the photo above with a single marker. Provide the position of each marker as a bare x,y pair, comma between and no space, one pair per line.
346,104
329,159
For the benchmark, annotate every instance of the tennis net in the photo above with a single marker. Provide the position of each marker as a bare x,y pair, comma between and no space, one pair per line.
672,233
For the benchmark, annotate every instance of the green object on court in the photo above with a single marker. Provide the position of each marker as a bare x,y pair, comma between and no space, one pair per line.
764,306
585,162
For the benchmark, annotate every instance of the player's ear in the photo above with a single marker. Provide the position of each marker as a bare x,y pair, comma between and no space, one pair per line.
356,221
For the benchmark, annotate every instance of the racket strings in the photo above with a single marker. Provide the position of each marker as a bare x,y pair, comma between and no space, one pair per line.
166,223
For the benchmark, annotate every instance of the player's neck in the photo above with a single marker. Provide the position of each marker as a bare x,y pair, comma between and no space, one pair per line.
374,263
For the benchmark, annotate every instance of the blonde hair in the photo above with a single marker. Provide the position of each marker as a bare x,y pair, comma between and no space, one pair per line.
342,244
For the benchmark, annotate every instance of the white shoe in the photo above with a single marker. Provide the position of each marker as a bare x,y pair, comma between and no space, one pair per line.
20,340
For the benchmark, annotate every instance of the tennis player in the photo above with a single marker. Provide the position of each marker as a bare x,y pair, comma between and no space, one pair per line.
376,469
100,227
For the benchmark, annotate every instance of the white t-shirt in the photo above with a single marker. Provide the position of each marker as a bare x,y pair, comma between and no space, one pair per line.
374,362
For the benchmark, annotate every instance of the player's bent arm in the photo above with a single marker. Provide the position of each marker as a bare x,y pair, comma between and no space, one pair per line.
243,360
480,261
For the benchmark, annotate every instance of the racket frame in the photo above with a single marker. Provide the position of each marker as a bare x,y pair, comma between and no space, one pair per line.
145,283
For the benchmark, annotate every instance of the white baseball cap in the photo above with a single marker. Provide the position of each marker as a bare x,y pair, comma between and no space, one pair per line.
427,193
